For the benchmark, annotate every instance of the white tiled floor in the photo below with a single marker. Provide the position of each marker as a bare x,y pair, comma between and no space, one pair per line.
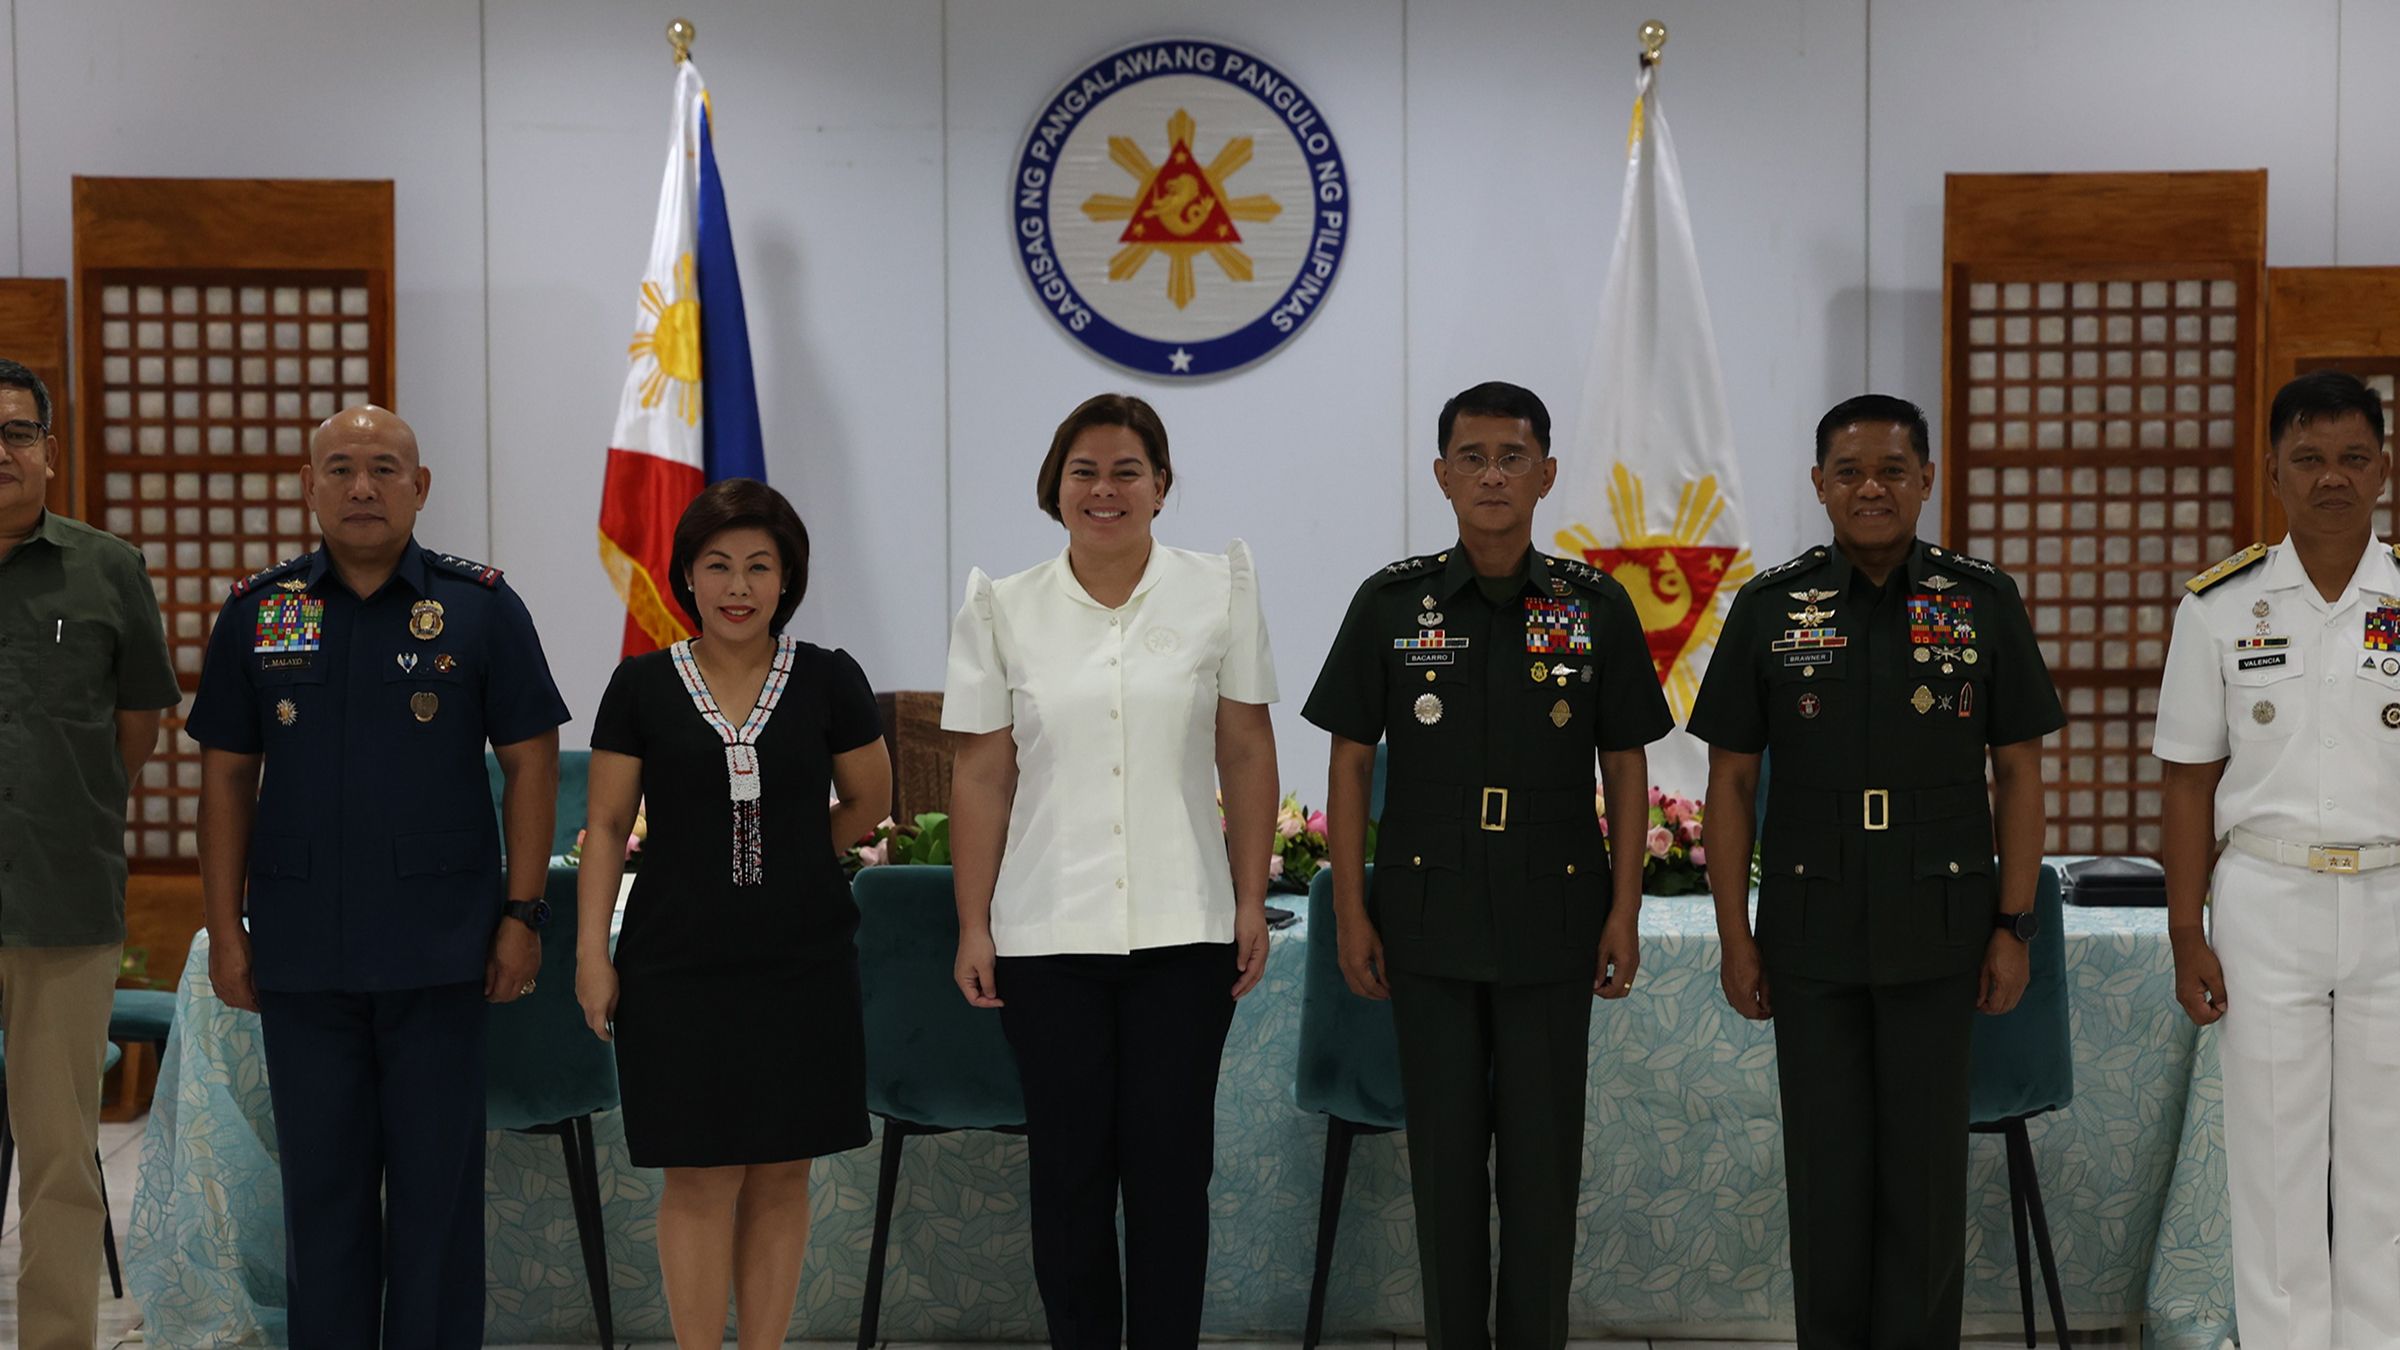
121,1163
120,1321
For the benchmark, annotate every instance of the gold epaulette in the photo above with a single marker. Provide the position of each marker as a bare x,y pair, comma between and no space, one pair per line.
2239,562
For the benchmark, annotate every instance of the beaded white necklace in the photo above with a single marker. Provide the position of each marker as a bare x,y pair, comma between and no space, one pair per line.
741,751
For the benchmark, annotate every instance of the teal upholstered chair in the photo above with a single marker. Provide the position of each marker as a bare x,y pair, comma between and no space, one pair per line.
934,1064
546,1073
1349,1072
574,795
109,1060
2024,1067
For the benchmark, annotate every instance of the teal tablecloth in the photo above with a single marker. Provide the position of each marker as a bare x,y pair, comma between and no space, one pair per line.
1682,1206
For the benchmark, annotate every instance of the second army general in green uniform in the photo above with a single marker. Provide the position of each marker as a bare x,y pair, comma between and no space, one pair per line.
1496,674
1879,672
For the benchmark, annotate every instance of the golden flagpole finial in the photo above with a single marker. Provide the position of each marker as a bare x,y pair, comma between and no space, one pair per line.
679,36
1654,42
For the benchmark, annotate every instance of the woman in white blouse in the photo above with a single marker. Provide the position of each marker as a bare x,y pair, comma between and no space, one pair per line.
1102,696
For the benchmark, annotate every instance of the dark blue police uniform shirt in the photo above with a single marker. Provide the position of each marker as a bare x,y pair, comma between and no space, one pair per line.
374,859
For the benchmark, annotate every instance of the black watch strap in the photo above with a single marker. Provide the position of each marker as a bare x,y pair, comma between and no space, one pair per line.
2020,926
531,913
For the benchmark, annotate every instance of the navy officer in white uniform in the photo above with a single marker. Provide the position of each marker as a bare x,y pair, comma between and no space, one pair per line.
2279,722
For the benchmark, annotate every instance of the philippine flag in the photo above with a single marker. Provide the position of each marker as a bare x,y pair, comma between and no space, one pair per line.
689,412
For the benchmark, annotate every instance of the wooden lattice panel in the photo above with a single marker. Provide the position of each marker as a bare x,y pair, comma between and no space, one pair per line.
33,331
206,363
207,397
2100,414
2336,318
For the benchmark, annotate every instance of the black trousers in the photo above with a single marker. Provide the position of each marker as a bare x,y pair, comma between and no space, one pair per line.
1875,1083
1494,1072
379,1127
1119,1059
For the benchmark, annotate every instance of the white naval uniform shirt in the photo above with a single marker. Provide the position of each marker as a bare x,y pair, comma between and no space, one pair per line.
2311,728
1114,842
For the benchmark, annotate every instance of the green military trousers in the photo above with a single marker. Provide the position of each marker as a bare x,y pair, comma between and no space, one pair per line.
1875,1082
1494,1070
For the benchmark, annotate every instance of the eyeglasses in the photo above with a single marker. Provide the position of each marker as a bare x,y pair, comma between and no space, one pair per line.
1516,463
22,433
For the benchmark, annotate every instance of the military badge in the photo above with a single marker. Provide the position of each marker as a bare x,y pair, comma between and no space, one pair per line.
1179,208
407,661
1922,700
445,662
1541,673
1560,712
1811,705
1807,639
2261,609
1810,616
2252,644
1431,647
1938,583
424,704
1810,596
2391,715
425,620
290,622
1943,620
1966,700
1557,625
2383,629
286,711
1429,708
2262,712
292,584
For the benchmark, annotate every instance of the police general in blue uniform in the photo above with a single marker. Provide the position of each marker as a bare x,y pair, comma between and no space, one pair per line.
343,709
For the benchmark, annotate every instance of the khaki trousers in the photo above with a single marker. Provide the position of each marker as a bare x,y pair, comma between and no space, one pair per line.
54,1005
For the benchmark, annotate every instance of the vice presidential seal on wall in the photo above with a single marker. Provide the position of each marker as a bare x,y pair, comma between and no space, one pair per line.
1180,208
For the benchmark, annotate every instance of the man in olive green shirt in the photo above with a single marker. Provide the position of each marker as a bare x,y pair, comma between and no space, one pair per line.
83,675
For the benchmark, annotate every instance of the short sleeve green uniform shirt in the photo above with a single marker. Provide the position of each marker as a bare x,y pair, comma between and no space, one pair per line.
1876,705
1495,695
80,640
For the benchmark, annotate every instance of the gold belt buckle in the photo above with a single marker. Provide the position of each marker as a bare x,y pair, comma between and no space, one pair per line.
2333,858
1878,813
1484,817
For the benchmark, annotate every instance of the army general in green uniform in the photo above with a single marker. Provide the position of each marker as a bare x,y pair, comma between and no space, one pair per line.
1499,676
1879,671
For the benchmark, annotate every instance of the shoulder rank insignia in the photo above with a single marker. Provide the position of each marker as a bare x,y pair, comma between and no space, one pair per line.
1814,555
1411,566
479,573
2238,563
1962,560
280,573
1578,569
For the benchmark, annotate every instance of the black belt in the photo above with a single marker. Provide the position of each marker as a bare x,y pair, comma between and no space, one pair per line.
1875,808
1493,808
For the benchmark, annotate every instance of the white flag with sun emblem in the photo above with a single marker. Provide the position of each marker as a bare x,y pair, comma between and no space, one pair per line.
1651,493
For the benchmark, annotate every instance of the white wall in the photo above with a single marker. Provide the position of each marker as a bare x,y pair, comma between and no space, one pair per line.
908,383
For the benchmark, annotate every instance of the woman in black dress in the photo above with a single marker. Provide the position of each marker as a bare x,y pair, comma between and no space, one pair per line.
737,939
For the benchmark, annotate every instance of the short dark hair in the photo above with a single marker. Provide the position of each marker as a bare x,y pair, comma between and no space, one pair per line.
733,504
2319,393
14,375
1493,398
1898,412
1103,410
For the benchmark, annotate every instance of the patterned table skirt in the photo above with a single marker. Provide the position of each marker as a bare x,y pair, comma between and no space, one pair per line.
1682,1207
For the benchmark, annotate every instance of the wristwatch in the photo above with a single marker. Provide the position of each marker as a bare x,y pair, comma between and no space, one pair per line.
531,913
2021,926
